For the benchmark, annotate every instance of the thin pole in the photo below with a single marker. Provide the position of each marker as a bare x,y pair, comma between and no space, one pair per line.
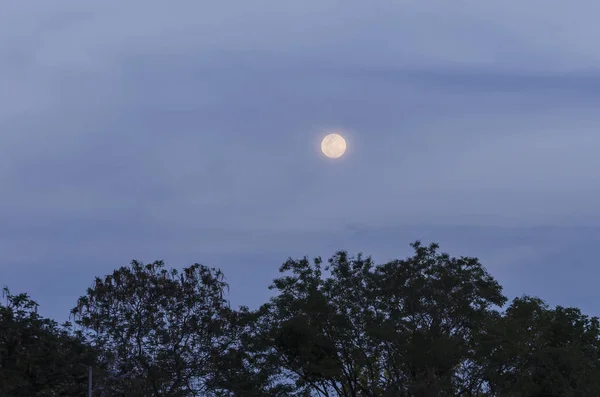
90,383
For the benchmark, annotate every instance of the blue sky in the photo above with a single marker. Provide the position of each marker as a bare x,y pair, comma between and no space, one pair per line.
188,131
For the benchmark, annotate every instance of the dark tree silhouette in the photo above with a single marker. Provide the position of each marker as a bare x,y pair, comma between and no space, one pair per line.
37,356
159,330
429,325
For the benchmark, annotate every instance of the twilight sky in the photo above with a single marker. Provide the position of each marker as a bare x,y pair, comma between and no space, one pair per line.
188,131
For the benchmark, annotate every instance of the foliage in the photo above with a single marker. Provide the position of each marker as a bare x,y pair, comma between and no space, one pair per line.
398,329
429,325
538,351
37,356
159,330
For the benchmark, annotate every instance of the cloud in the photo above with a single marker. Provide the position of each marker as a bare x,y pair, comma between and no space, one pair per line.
153,128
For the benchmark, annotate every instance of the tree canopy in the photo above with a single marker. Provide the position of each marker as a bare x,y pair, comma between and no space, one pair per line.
37,356
429,325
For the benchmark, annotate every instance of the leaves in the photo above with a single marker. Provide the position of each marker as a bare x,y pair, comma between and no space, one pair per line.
429,325
540,351
37,356
158,329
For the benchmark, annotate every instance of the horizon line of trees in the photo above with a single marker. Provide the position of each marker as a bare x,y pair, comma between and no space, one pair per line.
429,325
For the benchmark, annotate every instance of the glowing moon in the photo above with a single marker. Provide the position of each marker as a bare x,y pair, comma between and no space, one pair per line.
333,146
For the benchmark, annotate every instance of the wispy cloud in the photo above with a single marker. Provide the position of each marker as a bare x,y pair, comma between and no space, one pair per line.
191,130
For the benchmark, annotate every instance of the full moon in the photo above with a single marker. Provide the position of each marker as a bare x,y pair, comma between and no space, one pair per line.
333,146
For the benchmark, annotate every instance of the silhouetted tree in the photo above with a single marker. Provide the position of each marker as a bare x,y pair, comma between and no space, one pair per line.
159,330
536,351
37,356
429,325
399,329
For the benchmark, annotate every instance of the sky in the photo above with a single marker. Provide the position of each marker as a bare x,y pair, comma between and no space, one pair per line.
189,131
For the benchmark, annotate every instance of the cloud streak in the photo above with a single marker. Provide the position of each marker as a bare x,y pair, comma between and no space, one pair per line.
191,130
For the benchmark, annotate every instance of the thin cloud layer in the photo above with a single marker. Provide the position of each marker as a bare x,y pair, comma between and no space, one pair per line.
150,128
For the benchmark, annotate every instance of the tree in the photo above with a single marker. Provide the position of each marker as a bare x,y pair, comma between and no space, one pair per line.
536,351
244,367
159,330
429,308
37,356
398,329
429,325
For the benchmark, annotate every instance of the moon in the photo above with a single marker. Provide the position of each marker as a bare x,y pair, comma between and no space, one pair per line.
333,146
